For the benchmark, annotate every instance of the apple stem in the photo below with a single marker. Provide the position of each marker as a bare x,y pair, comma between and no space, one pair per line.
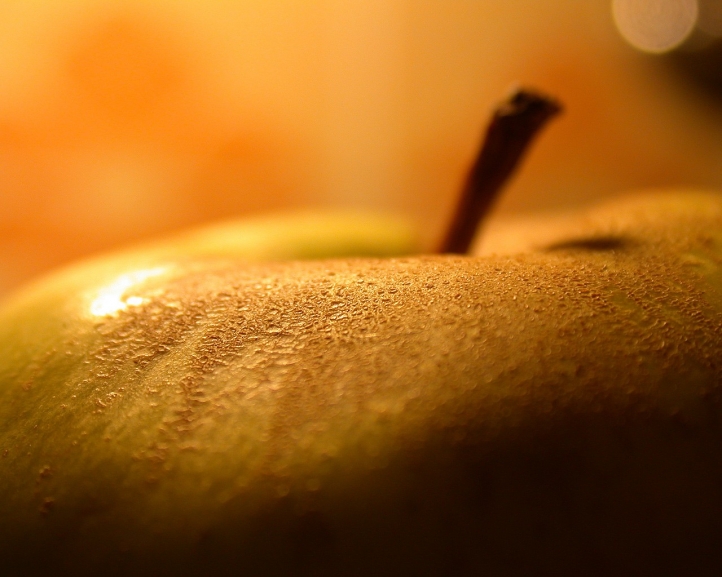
513,126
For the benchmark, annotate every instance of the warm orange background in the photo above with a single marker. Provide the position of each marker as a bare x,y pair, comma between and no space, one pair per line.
121,120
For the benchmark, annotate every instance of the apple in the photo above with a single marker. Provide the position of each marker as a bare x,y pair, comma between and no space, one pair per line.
302,235
553,411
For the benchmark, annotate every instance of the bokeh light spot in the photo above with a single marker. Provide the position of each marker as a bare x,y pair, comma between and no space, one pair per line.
710,17
655,25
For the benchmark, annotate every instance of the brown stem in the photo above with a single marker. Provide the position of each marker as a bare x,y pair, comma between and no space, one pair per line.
513,126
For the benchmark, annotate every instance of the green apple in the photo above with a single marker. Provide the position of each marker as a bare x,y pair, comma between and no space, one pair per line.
302,235
179,409
556,411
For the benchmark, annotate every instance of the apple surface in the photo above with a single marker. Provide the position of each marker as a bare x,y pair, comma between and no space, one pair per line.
555,410
289,236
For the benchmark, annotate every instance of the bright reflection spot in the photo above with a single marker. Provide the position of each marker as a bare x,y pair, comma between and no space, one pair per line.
655,25
111,299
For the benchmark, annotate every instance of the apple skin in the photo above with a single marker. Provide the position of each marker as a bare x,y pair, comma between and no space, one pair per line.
552,412
300,235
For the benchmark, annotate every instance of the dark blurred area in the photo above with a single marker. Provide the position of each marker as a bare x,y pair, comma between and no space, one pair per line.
121,121
702,67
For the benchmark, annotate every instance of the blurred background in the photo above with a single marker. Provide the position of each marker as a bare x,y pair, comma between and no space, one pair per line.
123,120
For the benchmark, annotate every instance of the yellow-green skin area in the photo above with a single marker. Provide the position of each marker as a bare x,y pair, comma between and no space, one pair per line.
554,412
